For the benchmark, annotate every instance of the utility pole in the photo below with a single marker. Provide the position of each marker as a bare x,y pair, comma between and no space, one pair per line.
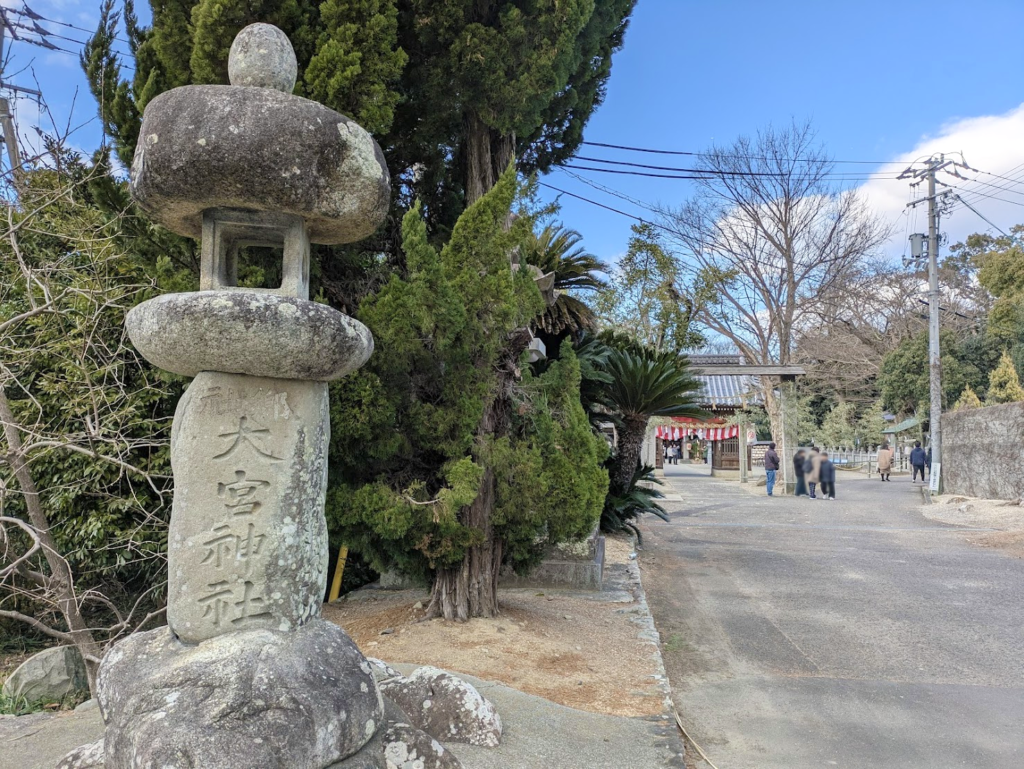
11,141
932,166
10,131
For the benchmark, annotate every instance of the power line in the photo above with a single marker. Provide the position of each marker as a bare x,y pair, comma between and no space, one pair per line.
30,14
976,194
606,208
708,172
747,157
975,210
635,173
705,175
1016,178
613,192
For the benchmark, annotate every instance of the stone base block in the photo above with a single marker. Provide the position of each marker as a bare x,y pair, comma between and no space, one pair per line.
302,699
576,565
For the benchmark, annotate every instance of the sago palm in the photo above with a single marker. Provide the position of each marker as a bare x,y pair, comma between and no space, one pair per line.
644,386
559,250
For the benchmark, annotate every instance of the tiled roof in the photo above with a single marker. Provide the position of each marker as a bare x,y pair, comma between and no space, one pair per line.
906,424
716,360
731,390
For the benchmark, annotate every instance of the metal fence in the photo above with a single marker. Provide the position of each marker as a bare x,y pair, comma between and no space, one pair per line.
867,459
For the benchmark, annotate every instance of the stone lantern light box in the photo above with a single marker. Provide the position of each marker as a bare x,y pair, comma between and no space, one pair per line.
250,164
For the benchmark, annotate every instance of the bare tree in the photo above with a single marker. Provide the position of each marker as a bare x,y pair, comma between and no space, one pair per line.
773,235
84,422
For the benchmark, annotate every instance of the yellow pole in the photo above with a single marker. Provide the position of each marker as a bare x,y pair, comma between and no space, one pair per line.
339,569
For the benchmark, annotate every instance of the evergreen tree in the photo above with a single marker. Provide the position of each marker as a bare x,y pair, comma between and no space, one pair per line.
448,461
871,424
1003,383
837,428
968,400
454,90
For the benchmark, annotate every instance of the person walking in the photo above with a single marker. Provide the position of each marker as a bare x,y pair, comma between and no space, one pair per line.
917,461
884,461
827,475
812,470
798,471
771,467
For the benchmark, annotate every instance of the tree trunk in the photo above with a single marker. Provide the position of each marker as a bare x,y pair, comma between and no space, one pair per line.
60,583
488,154
471,588
773,407
631,443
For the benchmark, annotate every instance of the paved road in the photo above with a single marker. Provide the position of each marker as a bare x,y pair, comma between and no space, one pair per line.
854,633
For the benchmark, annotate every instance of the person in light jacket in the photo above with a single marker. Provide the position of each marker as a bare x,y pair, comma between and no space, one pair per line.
917,461
884,461
771,467
812,471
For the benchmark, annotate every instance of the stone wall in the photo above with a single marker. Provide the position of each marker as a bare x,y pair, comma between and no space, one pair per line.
981,452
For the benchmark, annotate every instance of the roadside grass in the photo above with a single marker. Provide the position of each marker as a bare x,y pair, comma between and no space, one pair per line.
676,643
19,706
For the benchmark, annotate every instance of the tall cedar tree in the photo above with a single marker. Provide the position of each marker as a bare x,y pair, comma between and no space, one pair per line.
451,464
453,90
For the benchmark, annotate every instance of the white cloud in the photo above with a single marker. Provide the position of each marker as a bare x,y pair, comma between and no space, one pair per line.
989,143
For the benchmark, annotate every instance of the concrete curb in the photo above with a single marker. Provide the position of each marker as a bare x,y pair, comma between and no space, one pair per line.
665,724
926,495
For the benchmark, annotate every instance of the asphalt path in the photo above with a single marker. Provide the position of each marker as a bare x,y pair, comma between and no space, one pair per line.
849,633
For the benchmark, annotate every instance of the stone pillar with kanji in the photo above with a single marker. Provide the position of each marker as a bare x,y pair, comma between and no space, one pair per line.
247,673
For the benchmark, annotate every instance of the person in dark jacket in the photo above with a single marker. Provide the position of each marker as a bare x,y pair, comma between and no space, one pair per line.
827,474
771,467
798,471
917,460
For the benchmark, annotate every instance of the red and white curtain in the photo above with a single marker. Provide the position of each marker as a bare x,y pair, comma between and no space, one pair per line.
675,433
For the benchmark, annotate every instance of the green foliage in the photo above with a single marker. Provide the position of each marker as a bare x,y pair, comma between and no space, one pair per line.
593,354
904,378
968,400
1003,383
871,424
837,429
622,509
532,70
411,73
647,300
645,384
1001,264
95,418
551,483
559,250
408,449
357,61
652,385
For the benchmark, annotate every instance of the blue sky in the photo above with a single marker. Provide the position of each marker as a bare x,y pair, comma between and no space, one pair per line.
696,73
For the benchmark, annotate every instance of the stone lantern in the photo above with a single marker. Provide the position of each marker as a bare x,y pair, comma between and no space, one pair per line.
247,673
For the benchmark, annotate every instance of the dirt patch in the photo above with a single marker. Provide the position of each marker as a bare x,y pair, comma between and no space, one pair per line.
1010,542
1007,517
570,648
